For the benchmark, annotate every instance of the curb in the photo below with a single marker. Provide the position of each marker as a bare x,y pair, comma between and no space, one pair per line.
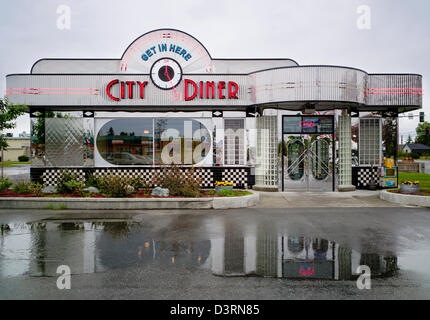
129,203
410,200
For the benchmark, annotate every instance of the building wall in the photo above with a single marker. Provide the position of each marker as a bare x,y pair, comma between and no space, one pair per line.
17,147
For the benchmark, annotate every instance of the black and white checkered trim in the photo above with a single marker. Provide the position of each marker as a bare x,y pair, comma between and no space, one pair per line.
50,176
207,175
239,177
365,175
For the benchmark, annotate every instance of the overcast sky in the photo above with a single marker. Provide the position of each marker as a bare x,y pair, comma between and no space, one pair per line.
308,31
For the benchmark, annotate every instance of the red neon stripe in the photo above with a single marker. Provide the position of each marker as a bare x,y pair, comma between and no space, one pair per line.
89,93
58,89
394,89
65,93
400,92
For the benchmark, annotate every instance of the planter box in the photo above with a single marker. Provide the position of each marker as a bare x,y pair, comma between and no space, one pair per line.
219,188
409,188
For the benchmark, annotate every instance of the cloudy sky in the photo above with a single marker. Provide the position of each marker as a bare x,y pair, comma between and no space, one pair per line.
308,31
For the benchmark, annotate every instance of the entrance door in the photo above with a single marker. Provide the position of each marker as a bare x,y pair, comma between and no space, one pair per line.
307,164
308,153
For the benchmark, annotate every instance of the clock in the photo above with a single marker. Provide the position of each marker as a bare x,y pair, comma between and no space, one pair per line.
166,73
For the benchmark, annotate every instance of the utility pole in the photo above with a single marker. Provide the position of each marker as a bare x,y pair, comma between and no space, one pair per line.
2,159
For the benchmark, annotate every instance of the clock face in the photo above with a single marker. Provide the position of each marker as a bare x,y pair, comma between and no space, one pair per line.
166,73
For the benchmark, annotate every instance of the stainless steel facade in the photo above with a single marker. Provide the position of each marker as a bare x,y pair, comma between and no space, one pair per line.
287,87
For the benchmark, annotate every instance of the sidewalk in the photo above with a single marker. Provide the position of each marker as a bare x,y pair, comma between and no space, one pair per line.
358,198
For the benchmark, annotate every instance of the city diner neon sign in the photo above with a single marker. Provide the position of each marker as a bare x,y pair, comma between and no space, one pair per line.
192,90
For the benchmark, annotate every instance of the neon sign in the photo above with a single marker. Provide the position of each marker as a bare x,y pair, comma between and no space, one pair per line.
202,89
308,123
162,47
211,87
130,85
307,271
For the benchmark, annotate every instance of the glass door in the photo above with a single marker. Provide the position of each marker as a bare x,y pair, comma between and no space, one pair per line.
307,163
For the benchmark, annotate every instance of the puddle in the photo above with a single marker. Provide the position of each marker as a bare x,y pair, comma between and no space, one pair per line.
37,249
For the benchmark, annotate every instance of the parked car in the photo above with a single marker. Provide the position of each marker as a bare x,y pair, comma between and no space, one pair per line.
126,158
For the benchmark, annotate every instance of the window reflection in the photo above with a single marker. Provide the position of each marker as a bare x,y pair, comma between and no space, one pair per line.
126,142
132,141
180,141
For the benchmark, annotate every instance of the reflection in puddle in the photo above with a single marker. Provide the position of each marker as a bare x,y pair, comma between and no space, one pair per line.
286,256
37,249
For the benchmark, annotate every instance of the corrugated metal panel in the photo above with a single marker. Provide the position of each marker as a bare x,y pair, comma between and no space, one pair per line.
394,90
310,84
283,85
93,91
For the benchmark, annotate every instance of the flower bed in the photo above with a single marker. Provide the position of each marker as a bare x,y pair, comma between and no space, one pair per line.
419,193
172,182
138,194
410,187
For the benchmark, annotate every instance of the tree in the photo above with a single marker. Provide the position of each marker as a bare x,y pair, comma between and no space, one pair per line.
8,113
422,136
389,136
409,141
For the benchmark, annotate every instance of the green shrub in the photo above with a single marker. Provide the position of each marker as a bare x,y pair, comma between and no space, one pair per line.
5,183
28,187
65,177
137,183
23,158
93,180
36,189
415,155
22,187
178,182
115,185
74,186
191,185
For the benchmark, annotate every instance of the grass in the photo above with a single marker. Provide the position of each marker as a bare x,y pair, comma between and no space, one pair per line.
9,164
52,207
232,193
423,178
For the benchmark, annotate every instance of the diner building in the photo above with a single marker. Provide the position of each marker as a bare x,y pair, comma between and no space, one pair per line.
268,124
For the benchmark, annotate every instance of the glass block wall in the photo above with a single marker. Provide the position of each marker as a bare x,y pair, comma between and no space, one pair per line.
266,172
234,145
369,142
345,159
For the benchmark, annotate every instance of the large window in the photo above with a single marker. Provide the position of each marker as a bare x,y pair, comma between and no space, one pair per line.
126,142
147,141
180,141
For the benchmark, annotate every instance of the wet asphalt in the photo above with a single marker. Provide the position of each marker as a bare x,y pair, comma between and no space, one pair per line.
253,253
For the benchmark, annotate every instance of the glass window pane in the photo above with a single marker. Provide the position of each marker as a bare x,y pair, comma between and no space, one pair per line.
126,141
